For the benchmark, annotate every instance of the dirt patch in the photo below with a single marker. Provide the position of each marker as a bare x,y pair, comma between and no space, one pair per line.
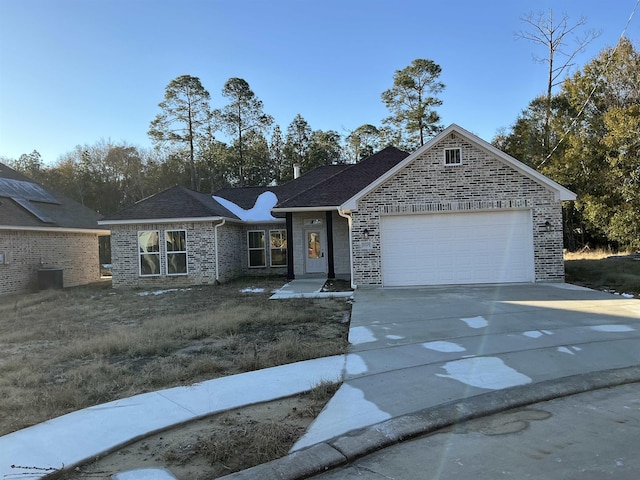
215,446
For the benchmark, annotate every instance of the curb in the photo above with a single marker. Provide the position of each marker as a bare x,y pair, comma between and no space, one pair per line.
342,450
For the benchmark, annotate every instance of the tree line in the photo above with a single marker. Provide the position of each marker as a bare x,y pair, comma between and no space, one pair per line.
583,132
108,176
587,138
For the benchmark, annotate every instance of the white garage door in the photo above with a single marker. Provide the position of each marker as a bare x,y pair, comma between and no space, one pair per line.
457,248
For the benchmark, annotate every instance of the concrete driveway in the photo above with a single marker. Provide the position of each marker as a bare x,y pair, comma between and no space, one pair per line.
417,348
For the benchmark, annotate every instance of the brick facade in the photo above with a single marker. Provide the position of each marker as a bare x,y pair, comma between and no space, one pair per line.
28,251
201,254
483,182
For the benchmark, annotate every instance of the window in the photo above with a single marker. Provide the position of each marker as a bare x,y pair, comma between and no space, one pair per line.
176,241
278,247
453,156
149,252
255,241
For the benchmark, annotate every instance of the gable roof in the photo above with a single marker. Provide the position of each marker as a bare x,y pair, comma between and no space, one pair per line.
561,192
27,205
171,205
338,188
183,204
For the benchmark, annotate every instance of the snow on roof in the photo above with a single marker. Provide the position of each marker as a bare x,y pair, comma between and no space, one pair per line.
260,212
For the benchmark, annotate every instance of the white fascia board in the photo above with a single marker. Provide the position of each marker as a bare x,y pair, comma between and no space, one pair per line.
304,209
561,192
260,222
94,231
144,221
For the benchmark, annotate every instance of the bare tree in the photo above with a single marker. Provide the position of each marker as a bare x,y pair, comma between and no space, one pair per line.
555,35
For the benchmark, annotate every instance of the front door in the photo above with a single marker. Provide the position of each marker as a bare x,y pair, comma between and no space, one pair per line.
315,261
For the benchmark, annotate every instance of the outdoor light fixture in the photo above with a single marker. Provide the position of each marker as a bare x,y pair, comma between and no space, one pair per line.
365,232
547,226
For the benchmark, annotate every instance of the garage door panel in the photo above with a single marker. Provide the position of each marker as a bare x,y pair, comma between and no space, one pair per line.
481,247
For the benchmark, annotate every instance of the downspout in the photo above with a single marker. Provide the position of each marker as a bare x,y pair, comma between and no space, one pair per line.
350,221
215,229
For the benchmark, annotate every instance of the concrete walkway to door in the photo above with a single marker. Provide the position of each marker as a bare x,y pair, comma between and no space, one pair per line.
309,287
421,348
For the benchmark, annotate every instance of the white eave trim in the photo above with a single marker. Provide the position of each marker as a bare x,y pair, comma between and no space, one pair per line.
94,231
304,209
145,221
562,193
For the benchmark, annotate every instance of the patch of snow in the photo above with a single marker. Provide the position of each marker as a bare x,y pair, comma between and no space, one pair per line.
484,372
394,337
546,332
358,413
162,292
627,295
446,347
252,290
476,322
358,335
577,349
261,211
533,334
355,365
612,328
565,350
145,474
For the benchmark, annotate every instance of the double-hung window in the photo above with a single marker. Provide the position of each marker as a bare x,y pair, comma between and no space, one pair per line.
453,156
149,253
278,247
176,251
256,246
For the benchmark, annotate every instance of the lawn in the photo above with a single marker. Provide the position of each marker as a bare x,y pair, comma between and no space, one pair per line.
64,350
605,271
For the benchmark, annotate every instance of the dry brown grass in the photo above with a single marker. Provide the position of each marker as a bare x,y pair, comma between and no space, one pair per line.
592,254
65,350
604,270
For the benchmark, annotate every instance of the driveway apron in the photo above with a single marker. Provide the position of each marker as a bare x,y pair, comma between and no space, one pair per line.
418,348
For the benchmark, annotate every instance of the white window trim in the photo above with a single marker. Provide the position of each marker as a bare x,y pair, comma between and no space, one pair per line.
153,253
186,252
270,249
444,160
250,249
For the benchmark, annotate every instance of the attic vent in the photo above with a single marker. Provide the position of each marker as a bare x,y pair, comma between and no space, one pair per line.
453,156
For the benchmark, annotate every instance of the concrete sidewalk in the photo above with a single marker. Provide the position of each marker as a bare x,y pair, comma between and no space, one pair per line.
311,287
81,436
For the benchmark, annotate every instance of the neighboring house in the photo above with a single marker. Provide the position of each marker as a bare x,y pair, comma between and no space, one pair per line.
44,236
456,211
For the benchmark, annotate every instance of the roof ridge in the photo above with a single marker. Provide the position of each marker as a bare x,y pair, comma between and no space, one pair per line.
319,182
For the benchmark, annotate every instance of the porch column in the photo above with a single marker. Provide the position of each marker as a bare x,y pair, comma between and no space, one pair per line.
332,271
289,220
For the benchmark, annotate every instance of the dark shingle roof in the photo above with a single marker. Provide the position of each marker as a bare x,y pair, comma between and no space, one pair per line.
329,185
25,203
174,202
246,197
345,184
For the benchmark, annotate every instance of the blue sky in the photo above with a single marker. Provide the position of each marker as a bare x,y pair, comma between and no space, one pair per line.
73,72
